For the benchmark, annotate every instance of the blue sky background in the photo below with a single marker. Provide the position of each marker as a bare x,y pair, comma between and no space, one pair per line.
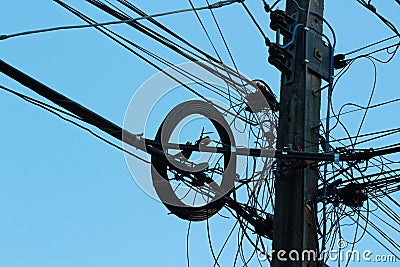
68,199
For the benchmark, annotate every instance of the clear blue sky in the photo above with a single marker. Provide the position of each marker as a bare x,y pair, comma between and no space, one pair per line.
68,199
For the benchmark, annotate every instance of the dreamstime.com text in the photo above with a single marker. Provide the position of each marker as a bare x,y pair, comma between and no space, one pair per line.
340,254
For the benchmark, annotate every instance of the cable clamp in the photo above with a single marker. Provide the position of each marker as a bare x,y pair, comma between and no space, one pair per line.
336,157
339,61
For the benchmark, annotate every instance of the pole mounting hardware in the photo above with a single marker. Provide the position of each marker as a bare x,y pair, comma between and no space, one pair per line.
283,56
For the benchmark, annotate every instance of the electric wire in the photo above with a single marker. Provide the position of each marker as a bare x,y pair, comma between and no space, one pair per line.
379,184
56,111
108,23
370,45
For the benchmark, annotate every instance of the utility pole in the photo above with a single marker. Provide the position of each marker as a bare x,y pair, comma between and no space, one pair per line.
294,221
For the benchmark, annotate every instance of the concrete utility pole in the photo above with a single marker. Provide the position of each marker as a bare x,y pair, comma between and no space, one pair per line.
294,222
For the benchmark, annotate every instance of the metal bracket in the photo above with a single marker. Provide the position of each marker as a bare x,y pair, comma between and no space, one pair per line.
319,56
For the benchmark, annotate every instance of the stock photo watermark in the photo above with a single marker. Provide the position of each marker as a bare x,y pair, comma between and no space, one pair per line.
343,253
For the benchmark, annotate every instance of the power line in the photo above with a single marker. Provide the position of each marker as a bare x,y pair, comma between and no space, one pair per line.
204,30
370,45
168,43
56,111
70,27
112,129
223,38
253,19
372,8
369,100
396,46
166,29
362,108
353,157
115,37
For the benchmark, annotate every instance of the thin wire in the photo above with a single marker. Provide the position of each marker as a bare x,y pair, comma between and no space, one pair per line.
69,27
371,8
370,45
54,111
109,33
223,38
274,4
30,99
210,243
204,29
383,132
370,99
187,245
167,30
212,44
266,39
377,51
362,108
226,241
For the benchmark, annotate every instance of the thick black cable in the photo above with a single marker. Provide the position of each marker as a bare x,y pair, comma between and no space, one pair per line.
115,131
